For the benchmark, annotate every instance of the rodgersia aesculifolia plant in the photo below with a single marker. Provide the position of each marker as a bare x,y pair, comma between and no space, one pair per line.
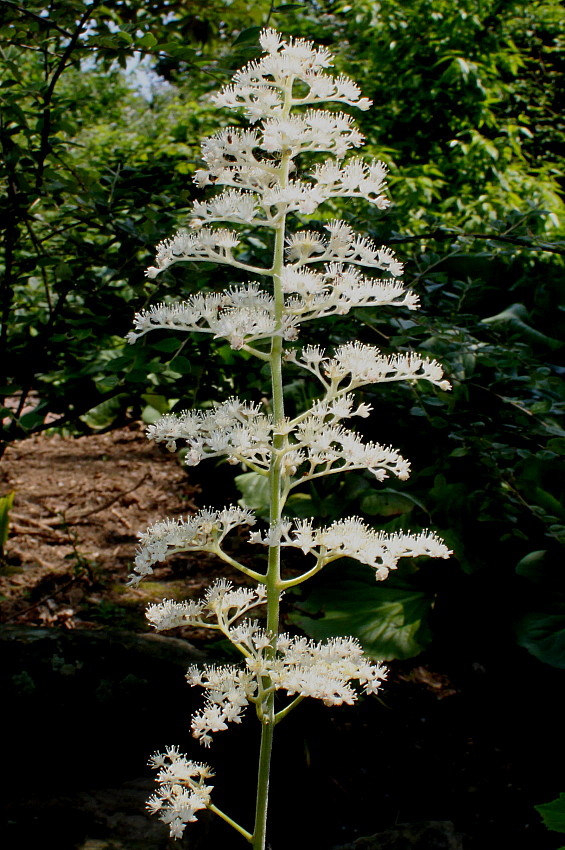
311,276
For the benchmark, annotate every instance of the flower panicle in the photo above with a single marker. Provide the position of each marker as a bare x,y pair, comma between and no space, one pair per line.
203,532
223,605
351,537
258,87
322,670
315,273
362,364
182,789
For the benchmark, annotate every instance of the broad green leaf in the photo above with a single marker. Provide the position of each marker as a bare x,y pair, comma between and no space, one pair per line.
543,633
390,622
553,814
31,420
150,414
255,491
532,565
557,445
179,51
300,505
158,402
515,319
181,364
166,345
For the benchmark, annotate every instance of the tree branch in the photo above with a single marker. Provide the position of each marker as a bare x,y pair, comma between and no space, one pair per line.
440,235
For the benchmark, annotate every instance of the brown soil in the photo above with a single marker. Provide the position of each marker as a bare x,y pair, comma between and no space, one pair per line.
79,503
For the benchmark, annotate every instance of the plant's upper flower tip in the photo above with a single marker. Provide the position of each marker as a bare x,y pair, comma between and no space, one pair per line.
152,272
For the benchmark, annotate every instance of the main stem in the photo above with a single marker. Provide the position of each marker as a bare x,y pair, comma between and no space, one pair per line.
273,583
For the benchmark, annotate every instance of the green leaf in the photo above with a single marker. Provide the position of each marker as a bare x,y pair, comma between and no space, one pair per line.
181,364
460,452
106,383
148,41
557,445
255,491
104,414
553,814
250,34
166,345
31,420
543,633
179,51
125,36
6,503
390,622
150,414
157,402
531,566
515,320
387,503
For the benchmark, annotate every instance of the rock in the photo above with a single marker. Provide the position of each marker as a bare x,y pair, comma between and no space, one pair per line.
84,710
427,835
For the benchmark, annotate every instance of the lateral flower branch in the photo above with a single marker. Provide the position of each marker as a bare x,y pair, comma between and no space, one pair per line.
311,276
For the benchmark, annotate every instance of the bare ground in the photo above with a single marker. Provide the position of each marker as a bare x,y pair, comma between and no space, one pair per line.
79,503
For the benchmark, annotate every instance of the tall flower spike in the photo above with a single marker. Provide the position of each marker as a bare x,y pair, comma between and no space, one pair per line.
310,274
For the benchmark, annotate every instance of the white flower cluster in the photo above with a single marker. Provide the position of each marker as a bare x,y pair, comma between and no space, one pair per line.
209,245
297,666
244,434
342,245
182,789
364,364
322,670
259,87
245,314
357,178
314,274
251,163
352,538
229,690
316,295
202,532
320,443
222,605
241,315
232,427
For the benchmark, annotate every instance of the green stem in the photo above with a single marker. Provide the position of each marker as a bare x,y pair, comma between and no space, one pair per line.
260,830
280,715
231,822
293,582
258,577
266,711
